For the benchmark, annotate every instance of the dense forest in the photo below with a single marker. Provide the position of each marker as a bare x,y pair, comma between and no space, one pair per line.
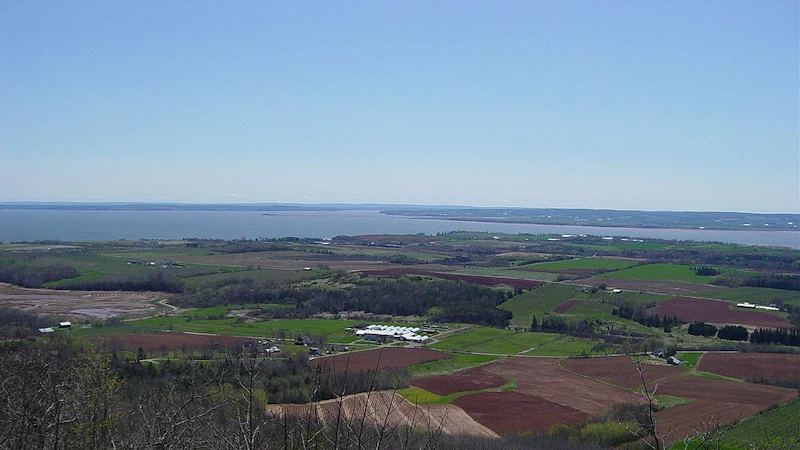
442,301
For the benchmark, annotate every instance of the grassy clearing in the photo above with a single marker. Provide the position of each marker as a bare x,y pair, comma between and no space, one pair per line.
419,396
668,401
690,359
457,362
759,296
564,346
469,338
583,263
675,272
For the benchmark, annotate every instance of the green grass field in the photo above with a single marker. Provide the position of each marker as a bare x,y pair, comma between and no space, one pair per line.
507,342
779,424
759,296
690,359
544,299
457,362
583,263
674,272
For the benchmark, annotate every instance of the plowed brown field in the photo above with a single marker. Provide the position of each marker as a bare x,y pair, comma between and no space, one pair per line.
461,381
566,306
168,341
713,401
716,311
383,358
544,378
514,413
752,365
716,401
620,370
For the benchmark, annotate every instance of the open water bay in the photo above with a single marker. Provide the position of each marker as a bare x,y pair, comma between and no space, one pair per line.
75,225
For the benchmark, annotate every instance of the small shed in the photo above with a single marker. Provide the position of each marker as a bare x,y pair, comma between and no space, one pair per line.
674,361
65,324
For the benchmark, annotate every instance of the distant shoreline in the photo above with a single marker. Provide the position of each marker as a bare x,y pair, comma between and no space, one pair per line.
594,218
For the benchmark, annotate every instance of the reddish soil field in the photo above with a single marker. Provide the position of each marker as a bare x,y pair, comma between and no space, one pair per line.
384,358
513,413
658,286
477,279
716,311
168,341
465,380
714,401
395,239
544,378
620,370
566,306
752,365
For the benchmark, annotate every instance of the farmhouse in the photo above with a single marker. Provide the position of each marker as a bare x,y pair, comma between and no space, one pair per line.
377,332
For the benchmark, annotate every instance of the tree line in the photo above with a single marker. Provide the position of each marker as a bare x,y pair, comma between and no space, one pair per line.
62,393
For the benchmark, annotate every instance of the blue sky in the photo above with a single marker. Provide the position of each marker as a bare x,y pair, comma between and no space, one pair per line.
678,105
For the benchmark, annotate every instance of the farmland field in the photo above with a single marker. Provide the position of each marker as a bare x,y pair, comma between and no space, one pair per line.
674,272
333,329
387,409
776,427
580,265
547,298
716,311
506,342
383,358
461,381
151,342
758,296
515,413
774,366
713,399
654,286
457,362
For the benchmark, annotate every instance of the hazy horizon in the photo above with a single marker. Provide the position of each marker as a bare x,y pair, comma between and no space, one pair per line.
678,106
367,206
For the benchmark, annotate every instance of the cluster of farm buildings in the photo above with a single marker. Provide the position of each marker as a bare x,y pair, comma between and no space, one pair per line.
385,332
750,305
